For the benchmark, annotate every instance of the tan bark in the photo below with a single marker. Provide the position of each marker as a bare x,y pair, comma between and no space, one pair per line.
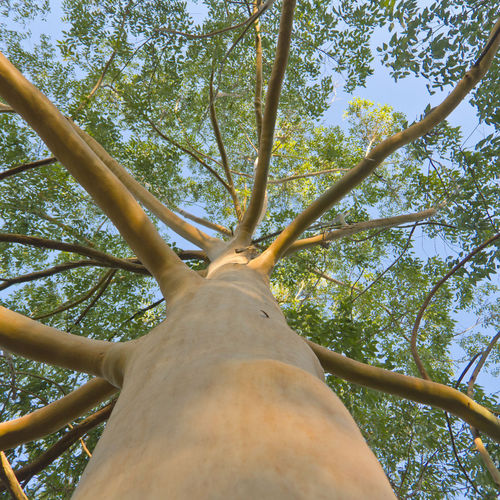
28,338
377,155
229,403
416,389
89,170
248,224
9,479
56,415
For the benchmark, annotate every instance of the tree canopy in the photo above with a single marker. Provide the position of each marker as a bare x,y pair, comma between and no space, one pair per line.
401,266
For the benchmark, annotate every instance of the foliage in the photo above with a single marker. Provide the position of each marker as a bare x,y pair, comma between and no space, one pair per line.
155,78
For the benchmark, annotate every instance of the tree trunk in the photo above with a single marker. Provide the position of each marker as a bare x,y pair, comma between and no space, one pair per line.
224,401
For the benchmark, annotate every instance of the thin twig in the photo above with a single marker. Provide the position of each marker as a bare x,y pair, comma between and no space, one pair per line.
142,311
431,294
79,300
104,286
26,166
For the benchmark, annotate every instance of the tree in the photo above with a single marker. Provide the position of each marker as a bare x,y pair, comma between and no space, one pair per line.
223,398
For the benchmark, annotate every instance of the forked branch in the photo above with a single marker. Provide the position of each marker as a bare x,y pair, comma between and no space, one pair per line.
90,171
375,157
415,389
56,415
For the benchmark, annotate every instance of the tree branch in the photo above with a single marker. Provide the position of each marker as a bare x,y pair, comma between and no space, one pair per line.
99,255
26,166
79,300
351,229
4,108
204,222
308,174
248,224
8,282
89,170
182,228
483,452
413,388
258,75
252,18
56,415
222,149
9,479
56,450
104,286
266,261
33,340
431,294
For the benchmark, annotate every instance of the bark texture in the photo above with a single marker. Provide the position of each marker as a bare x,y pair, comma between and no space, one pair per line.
224,400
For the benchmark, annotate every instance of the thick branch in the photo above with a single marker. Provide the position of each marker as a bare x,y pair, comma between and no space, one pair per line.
376,156
431,294
26,166
89,170
415,389
56,415
56,450
249,222
351,229
32,340
9,479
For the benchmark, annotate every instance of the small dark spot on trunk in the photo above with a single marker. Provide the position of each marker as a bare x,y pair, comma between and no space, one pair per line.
264,313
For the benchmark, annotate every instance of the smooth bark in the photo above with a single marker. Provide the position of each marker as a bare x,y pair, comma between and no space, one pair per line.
94,176
416,389
33,340
377,155
56,415
224,399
